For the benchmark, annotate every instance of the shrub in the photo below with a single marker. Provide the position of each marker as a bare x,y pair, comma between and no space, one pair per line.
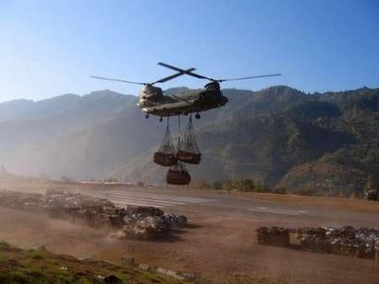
280,190
36,254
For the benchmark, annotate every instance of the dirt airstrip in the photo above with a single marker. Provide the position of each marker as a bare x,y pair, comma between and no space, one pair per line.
218,246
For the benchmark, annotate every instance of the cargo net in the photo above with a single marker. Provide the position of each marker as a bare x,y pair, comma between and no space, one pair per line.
165,156
188,150
178,174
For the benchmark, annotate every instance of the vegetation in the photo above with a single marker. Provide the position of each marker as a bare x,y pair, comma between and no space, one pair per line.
110,180
237,184
41,266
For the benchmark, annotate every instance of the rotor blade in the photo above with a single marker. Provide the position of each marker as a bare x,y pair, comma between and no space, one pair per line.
173,76
250,77
185,71
118,80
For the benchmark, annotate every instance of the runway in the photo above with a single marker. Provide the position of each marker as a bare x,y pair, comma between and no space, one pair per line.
124,197
280,211
226,204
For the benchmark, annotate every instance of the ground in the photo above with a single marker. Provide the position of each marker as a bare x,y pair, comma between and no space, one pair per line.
31,266
219,246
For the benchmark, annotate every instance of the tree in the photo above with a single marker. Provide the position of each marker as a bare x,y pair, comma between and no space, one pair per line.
245,184
111,179
217,185
67,179
201,184
370,184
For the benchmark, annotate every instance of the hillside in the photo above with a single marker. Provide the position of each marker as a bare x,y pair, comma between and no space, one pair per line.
41,266
309,143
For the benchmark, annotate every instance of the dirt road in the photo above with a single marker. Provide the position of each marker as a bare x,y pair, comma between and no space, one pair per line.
220,243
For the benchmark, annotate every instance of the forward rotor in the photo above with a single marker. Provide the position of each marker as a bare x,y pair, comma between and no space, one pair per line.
180,73
190,73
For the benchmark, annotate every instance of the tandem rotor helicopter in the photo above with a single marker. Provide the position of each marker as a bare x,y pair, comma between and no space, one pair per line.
153,101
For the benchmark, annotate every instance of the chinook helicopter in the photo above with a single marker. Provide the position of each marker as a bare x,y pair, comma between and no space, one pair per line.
153,101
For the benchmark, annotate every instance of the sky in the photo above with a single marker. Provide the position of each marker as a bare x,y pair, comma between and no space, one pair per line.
51,47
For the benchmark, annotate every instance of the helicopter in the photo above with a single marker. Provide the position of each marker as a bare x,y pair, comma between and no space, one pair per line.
153,101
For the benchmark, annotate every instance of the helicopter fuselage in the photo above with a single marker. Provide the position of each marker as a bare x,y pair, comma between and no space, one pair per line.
153,101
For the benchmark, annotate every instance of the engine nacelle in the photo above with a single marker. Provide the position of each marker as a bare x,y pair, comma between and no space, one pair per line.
213,86
149,95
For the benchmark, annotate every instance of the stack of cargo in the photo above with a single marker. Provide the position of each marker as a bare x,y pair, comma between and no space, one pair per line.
178,175
142,222
273,236
187,151
362,243
346,240
165,156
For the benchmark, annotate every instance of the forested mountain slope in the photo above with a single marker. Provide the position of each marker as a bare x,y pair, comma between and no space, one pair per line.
314,143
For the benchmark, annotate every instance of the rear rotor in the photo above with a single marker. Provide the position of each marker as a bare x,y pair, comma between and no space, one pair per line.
190,73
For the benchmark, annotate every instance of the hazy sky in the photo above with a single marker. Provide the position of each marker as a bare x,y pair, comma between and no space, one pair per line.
50,47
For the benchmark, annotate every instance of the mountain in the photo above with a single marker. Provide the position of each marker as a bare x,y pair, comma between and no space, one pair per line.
12,109
66,135
308,143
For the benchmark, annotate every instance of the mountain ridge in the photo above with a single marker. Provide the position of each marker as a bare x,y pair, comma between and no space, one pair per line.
269,135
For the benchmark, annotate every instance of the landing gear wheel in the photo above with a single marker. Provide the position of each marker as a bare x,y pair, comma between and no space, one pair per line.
160,119
147,116
197,116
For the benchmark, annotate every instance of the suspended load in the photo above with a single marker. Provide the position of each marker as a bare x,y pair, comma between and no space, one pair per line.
178,175
188,150
165,156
